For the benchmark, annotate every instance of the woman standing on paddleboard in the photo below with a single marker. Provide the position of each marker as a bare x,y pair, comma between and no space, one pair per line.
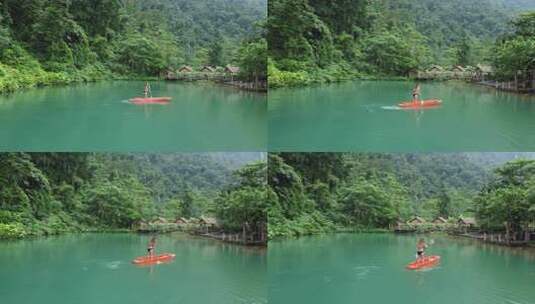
416,94
151,246
146,90
420,249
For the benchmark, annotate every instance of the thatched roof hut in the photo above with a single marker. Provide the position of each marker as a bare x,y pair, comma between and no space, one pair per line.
208,221
459,68
208,69
485,69
416,221
435,68
467,221
160,220
232,69
182,221
185,69
440,220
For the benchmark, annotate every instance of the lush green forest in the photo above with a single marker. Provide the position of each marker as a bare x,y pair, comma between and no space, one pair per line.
50,193
325,41
515,51
319,192
61,41
508,201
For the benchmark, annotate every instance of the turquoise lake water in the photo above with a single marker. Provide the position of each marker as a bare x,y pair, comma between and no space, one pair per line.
96,268
362,116
370,268
98,117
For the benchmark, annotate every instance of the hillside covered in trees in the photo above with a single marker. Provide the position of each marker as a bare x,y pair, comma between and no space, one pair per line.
318,192
324,41
50,193
61,41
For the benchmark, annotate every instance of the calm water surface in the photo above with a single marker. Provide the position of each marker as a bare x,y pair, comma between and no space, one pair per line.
97,117
96,268
362,116
370,268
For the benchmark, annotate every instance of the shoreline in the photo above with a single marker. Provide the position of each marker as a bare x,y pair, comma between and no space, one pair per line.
350,230
138,232
7,93
314,84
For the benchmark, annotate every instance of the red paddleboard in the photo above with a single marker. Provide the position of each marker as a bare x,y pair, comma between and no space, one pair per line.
156,259
150,100
426,262
430,103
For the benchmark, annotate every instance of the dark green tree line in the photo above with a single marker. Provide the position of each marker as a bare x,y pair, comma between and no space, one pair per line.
325,41
49,193
62,41
319,192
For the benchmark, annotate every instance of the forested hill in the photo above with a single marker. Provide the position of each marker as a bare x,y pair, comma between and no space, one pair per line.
60,41
49,193
324,41
199,24
314,192
171,175
447,23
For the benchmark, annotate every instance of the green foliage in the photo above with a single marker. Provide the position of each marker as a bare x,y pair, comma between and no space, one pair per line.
252,60
51,193
316,41
305,224
367,204
197,26
215,54
321,192
245,203
515,52
139,54
11,231
509,200
117,203
394,52
278,78
46,42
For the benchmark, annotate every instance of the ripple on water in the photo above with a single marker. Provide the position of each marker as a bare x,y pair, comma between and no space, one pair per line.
362,272
113,265
391,108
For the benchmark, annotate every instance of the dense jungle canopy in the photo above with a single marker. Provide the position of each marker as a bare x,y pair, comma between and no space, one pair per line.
61,41
325,41
319,192
50,193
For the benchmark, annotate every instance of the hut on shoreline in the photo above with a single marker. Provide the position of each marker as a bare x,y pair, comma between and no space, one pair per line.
208,224
208,69
416,220
466,224
185,69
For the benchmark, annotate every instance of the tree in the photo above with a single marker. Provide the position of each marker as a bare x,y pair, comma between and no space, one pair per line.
515,52
173,209
245,204
463,51
215,54
507,202
367,205
444,205
288,188
252,59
